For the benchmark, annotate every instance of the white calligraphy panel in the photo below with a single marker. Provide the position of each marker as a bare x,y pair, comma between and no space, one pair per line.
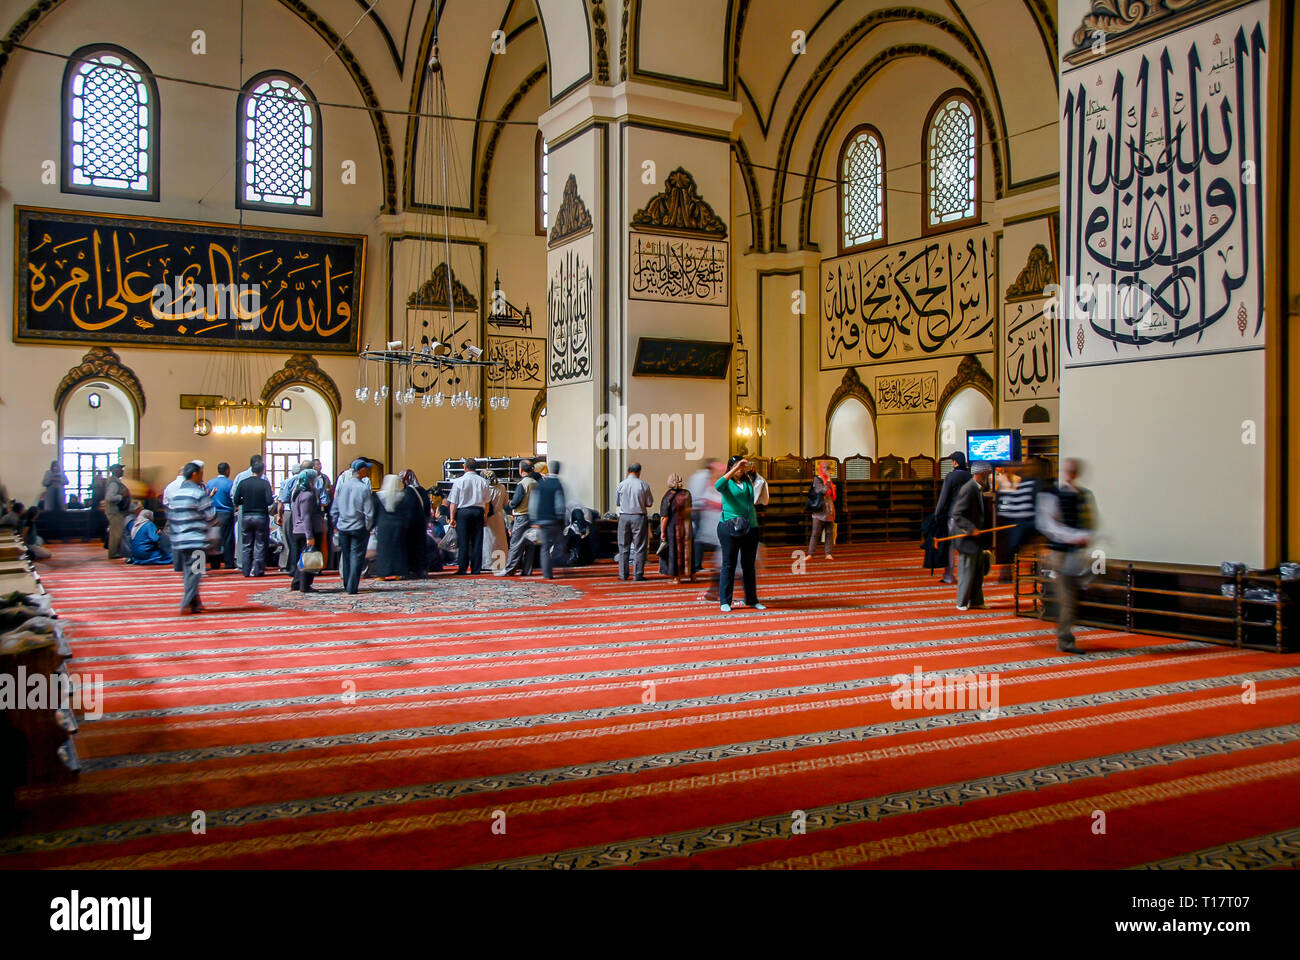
933,297
677,269
569,307
1162,201
908,393
1031,368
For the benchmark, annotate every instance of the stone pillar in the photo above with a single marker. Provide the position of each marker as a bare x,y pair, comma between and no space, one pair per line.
638,258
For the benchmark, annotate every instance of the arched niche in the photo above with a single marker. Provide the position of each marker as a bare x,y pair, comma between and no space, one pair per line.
538,416
967,402
311,418
121,404
851,419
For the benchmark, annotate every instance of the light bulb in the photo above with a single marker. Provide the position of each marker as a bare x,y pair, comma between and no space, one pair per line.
378,399
410,394
439,399
361,393
505,402
383,392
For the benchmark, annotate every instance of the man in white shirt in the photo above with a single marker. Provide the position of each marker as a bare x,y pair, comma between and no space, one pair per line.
170,490
467,501
632,499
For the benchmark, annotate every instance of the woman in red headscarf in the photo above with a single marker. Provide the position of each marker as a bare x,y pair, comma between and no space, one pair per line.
821,504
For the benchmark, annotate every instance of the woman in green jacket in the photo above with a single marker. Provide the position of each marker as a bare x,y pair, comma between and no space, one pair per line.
737,533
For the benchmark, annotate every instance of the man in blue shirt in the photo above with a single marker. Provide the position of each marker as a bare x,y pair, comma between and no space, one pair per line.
219,489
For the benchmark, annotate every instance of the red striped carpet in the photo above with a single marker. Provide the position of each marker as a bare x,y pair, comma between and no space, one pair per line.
590,723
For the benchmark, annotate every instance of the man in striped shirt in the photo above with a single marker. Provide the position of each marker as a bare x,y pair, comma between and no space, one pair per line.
190,514
1016,503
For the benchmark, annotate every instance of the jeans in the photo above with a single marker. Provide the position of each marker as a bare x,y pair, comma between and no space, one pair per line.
190,561
352,557
633,537
469,539
746,548
253,546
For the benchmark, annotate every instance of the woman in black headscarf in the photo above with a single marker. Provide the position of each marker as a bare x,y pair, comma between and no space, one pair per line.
415,510
578,541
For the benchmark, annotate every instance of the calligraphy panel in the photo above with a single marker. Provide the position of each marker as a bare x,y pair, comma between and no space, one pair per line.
102,278
569,305
677,269
705,359
521,362
908,393
1162,160
933,297
1031,365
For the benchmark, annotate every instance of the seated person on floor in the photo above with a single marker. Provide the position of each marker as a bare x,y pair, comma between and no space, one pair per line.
148,546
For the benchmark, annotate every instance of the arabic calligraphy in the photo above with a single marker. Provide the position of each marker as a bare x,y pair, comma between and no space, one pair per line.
154,282
678,269
935,297
1163,198
519,362
1030,360
908,393
568,312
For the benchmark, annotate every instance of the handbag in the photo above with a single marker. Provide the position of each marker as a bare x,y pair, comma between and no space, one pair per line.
815,502
737,526
372,546
310,560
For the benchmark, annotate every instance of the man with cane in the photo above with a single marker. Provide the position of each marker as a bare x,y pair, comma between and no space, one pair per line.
967,521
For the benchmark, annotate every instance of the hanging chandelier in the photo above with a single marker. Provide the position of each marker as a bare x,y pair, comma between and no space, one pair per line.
750,423
433,360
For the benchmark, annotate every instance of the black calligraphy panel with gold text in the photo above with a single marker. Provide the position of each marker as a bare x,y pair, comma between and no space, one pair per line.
100,278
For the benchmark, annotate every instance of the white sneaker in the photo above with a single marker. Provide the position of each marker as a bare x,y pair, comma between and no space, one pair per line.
829,557
960,607
759,606
726,608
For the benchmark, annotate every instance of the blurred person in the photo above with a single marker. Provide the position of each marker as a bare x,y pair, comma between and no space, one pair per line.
495,537
1017,502
188,518
1067,517
956,479
545,514
738,533
821,502
632,499
677,553
54,483
579,544
969,516
706,504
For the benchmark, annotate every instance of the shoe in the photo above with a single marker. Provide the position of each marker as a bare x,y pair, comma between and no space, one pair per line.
622,579
829,557
948,580
186,611
1069,646
638,579
759,606
961,607
978,606
293,586
726,608
197,608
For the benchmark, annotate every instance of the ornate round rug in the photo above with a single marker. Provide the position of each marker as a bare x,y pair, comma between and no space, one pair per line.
436,595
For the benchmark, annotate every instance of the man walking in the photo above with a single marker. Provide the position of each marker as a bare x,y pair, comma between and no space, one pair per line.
957,478
632,499
546,513
188,517
219,488
253,498
353,513
1067,518
969,515
468,500
521,551
117,504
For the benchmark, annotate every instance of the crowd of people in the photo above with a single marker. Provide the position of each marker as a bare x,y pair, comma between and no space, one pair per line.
708,528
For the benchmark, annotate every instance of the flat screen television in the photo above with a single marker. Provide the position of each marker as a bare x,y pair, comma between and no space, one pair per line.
993,446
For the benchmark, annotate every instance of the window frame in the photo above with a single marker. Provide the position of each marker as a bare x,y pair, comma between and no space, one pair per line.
956,93
840,183
66,184
541,218
241,143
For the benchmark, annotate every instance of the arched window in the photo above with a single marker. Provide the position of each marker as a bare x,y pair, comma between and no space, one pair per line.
862,189
543,185
110,124
951,152
279,146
